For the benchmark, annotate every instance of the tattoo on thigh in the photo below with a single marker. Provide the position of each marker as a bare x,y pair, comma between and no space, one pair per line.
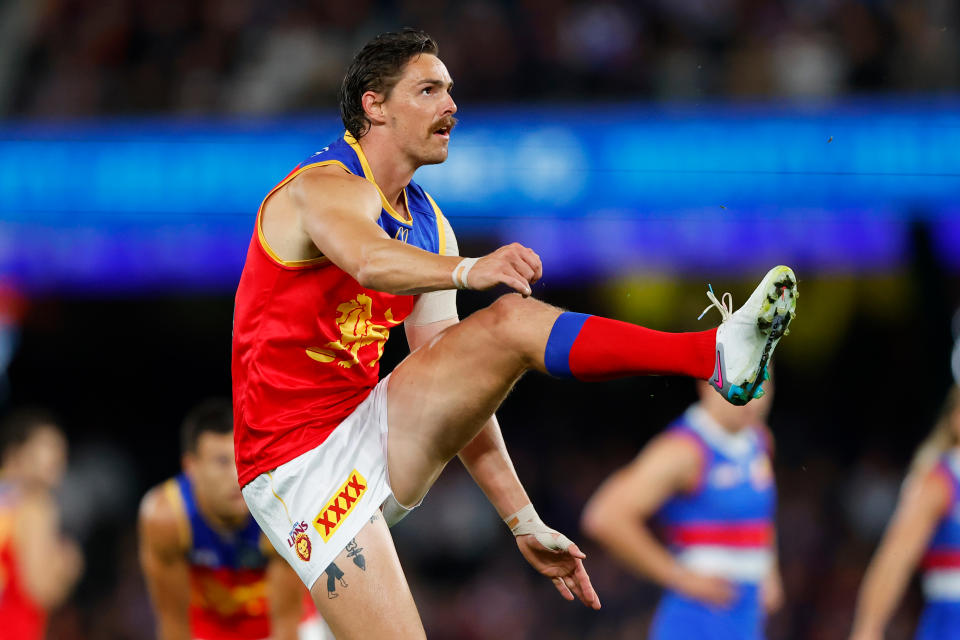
334,575
374,517
354,551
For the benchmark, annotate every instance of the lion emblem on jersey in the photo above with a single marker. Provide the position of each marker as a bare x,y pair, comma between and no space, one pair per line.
303,547
357,331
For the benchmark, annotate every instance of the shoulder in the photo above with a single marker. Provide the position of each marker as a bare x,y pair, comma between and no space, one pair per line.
676,453
930,489
320,189
765,439
939,480
162,520
681,444
35,507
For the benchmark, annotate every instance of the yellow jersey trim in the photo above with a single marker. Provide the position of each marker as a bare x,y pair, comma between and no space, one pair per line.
368,174
172,488
441,234
263,240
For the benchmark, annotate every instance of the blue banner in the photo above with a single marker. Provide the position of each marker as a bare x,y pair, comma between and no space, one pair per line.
135,204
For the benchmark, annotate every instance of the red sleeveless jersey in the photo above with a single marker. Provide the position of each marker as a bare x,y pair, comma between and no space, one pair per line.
307,338
20,617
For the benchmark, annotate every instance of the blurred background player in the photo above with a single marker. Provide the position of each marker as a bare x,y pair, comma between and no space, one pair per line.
924,533
38,566
708,480
211,573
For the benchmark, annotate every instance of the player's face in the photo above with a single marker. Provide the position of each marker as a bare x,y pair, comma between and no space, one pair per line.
420,110
733,417
43,457
214,474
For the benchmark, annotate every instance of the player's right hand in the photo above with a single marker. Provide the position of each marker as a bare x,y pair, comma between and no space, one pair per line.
709,589
513,265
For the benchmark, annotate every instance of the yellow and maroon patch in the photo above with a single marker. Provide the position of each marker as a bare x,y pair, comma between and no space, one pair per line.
340,505
303,547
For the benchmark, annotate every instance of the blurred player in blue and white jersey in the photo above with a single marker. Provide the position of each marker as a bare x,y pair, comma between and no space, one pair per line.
708,482
924,534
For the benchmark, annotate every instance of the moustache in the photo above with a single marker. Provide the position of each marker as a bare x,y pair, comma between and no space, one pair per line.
448,123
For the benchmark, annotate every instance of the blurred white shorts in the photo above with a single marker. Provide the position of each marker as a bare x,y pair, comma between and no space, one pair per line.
314,628
313,505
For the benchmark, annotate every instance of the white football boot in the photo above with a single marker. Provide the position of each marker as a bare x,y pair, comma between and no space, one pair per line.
747,337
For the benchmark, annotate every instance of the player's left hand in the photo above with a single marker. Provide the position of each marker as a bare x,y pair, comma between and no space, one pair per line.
563,567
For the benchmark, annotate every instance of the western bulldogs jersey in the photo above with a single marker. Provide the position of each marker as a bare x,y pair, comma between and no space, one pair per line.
723,528
941,563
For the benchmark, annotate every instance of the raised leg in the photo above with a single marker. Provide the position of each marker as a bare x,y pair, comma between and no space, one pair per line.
442,394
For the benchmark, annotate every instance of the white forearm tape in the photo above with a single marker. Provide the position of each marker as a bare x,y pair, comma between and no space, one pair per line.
435,306
527,522
460,272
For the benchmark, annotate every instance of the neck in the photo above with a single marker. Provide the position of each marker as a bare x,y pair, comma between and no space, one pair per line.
219,521
718,418
392,169
14,475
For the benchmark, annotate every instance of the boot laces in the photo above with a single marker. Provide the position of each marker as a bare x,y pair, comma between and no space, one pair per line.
724,305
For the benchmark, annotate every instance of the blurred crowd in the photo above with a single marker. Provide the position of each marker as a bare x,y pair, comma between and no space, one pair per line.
250,57
839,464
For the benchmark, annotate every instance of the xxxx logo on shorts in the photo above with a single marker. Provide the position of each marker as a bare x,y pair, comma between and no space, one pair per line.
340,505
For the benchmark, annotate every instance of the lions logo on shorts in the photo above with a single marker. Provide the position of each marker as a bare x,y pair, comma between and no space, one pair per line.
299,541
303,547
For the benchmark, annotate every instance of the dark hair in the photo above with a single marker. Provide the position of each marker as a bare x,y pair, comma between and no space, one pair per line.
377,68
214,415
20,425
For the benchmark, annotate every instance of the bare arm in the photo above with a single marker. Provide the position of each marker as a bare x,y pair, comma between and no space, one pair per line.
489,464
922,504
338,212
50,564
772,593
616,515
286,596
164,564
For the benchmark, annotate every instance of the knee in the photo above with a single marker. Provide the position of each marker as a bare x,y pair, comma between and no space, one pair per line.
509,310
514,320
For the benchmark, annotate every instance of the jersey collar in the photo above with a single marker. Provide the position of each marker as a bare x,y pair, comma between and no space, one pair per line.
368,174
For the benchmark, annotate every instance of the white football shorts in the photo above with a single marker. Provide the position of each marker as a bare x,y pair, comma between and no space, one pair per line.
312,506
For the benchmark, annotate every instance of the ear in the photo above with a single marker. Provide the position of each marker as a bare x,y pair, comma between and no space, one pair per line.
373,106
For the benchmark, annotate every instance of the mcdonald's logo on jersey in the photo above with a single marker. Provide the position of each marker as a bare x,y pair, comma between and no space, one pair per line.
403,234
340,505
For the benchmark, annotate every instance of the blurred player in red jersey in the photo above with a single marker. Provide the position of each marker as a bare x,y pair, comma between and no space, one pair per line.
347,247
211,573
38,566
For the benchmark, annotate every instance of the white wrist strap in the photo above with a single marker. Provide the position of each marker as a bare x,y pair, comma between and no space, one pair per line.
460,272
527,522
